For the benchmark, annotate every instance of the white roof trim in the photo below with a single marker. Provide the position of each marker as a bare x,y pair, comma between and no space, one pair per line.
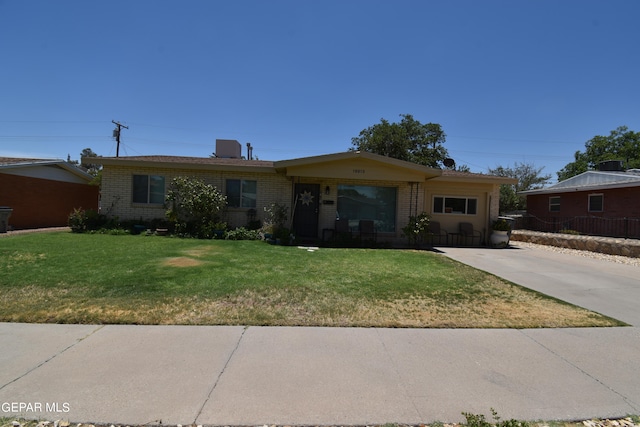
60,163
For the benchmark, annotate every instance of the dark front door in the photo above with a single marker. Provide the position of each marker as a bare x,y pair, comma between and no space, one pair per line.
305,213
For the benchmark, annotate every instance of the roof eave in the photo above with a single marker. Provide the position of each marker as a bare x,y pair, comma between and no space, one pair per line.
110,161
282,165
581,188
60,163
485,179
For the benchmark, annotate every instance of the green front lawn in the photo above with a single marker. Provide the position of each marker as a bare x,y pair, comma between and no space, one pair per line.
93,278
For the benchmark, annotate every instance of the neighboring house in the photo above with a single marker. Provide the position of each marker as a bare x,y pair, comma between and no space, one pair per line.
42,193
317,190
606,194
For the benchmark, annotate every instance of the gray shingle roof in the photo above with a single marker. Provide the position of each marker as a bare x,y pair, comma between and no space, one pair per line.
592,180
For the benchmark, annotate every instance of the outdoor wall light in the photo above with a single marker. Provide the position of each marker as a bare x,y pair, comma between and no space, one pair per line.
327,190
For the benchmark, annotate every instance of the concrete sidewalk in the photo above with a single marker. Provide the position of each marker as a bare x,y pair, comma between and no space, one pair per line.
352,376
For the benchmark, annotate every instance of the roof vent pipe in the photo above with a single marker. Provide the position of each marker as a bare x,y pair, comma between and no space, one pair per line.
249,151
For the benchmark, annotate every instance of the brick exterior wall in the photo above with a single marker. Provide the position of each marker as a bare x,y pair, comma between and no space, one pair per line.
618,203
39,203
412,199
117,197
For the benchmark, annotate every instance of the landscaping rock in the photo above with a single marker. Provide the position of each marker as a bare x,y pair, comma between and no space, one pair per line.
604,245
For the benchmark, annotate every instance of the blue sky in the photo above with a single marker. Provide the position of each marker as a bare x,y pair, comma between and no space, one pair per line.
509,81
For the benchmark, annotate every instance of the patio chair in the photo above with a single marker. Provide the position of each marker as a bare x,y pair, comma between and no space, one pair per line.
437,234
342,228
367,229
467,233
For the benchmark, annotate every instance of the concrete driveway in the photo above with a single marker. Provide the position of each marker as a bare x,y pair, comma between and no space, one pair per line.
606,287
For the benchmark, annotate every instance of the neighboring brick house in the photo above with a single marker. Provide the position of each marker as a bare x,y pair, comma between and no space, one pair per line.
590,202
42,193
317,190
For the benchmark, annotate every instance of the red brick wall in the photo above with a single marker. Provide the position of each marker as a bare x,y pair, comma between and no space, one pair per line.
40,203
618,203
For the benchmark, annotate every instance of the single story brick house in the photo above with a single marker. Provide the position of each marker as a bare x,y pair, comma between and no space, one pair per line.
317,190
590,202
42,193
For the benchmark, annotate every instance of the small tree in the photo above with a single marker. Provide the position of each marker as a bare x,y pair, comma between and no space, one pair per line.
194,207
277,217
529,178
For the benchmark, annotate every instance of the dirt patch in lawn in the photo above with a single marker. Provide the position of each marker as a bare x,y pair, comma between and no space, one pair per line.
181,261
199,251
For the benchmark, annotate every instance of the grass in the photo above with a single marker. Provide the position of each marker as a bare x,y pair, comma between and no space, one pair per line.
105,279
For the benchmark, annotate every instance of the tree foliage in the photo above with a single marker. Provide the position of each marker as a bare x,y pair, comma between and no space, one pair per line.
529,178
91,168
407,140
194,207
621,144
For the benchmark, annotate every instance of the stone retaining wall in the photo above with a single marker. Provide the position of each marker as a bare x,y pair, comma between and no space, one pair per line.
605,245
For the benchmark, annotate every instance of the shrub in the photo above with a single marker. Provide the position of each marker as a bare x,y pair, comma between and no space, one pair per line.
474,420
501,225
277,216
194,207
81,220
567,231
417,229
77,220
242,233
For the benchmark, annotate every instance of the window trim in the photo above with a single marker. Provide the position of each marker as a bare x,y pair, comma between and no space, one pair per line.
444,209
556,204
601,195
148,201
241,181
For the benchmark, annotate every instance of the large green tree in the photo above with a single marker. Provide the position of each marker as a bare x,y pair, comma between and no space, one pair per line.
407,140
621,144
529,178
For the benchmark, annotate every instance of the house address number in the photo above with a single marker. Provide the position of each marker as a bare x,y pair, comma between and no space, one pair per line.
358,171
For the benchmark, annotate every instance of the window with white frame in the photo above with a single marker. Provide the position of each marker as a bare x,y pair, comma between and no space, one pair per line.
455,205
148,189
596,202
554,204
241,193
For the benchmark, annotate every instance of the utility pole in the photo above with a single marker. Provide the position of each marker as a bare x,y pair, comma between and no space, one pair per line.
116,135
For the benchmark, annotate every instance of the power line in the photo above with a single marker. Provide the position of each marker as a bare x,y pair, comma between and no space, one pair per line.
51,136
512,139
